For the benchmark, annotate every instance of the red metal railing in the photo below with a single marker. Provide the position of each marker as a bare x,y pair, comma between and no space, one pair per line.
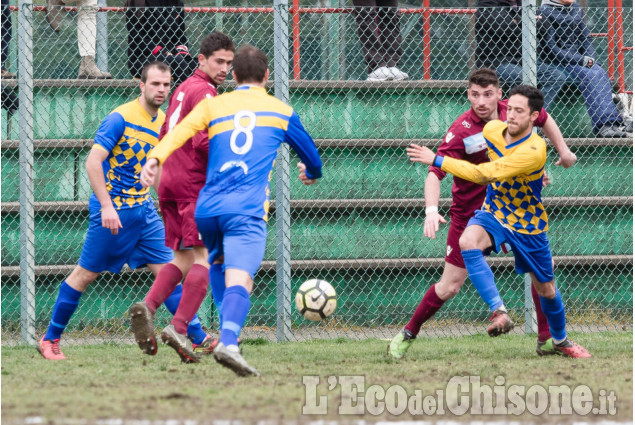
614,34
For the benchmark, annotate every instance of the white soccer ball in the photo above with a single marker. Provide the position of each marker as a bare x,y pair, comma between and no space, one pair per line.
316,299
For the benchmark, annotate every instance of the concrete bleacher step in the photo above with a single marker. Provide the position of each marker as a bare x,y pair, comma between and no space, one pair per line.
357,231
376,264
329,109
341,204
228,84
328,143
375,168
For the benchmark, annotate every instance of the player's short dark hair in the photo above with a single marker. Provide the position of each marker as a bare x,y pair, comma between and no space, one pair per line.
250,64
216,41
161,66
483,77
534,96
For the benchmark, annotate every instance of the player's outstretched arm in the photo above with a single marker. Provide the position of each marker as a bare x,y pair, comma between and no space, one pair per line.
432,195
302,143
552,131
522,161
109,217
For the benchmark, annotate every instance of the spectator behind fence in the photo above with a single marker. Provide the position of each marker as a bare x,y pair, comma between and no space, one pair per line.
156,32
499,46
567,43
6,38
380,36
86,33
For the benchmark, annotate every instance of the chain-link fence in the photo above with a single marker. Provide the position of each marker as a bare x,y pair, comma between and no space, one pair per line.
360,228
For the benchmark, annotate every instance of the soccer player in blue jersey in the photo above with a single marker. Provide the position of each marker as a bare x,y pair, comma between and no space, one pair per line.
512,212
245,127
124,224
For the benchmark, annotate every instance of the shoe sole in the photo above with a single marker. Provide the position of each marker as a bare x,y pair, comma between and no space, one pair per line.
185,355
233,365
500,331
143,330
562,353
210,350
542,352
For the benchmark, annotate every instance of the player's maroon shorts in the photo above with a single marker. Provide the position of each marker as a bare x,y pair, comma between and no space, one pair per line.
180,226
452,249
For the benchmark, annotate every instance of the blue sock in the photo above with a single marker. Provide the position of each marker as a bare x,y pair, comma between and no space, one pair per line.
554,310
195,331
482,277
65,306
236,305
172,303
217,284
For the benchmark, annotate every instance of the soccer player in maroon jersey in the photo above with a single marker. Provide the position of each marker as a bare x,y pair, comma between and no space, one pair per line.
464,140
182,177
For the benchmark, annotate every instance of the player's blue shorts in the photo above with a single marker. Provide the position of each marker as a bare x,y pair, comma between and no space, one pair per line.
531,252
240,238
141,241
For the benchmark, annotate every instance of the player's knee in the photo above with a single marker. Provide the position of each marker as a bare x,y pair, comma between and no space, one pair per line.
183,259
467,241
448,292
546,290
200,256
447,289
80,278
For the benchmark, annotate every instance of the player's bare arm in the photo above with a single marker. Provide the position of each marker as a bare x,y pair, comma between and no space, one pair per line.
109,217
303,177
432,195
552,131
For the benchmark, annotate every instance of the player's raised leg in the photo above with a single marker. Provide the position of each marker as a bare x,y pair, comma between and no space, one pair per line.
241,241
474,241
65,305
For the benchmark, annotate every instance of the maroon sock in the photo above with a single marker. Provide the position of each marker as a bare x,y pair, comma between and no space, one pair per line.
169,276
429,305
194,290
543,327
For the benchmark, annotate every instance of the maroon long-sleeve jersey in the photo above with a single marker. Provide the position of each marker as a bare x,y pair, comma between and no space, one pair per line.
183,173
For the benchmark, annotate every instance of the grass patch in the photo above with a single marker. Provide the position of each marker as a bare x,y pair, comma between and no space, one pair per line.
110,381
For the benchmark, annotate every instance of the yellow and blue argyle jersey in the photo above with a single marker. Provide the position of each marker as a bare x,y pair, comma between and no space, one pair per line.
515,174
245,128
128,134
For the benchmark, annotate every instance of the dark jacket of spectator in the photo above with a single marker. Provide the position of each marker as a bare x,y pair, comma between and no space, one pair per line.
156,31
499,32
567,40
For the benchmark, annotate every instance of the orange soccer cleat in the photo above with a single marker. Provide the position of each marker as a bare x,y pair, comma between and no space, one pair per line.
50,350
